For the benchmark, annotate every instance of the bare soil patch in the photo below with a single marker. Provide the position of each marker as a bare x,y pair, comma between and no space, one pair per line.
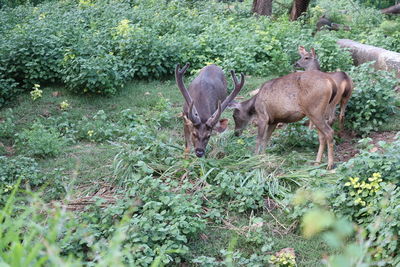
347,148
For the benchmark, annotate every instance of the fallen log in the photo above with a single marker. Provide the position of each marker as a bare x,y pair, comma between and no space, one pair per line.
391,10
361,53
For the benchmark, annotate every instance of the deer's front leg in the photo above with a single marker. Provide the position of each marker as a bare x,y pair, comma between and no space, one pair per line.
261,136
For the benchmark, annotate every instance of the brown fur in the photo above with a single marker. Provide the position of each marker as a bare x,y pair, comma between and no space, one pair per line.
289,99
205,101
343,82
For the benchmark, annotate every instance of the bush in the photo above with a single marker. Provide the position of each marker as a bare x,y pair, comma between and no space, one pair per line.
7,125
373,101
40,141
96,47
20,167
101,73
14,171
8,89
368,193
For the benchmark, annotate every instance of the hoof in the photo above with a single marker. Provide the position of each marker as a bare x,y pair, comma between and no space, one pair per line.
331,166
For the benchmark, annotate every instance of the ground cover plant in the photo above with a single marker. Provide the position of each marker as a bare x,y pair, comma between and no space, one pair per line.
93,180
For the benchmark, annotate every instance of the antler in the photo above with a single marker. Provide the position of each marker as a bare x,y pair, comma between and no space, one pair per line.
221,107
179,73
236,90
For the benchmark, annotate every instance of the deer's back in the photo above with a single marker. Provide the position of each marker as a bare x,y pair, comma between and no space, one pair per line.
206,90
286,99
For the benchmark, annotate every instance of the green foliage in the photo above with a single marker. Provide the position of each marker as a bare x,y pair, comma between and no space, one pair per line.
40,141
8,89
372,103
7,125
22,169
295,135
100,74
368,193
97,47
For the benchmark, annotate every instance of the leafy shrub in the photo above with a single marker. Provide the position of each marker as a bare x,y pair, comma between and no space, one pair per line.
40,141
97,129
20,167
7,125
98,47
368,193
100,74
14,171
158,223
8,89
372,102
295,135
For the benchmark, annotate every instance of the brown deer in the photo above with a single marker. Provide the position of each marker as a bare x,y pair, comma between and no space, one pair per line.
309,61
289,99
205,101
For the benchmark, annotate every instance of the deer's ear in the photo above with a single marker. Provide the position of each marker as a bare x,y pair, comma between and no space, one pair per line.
302,50
221,125
313,52
187,121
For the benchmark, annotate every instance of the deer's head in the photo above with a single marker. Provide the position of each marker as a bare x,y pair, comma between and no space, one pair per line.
308,60
200,131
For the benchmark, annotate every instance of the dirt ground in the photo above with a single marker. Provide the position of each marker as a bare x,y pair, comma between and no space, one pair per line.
347,148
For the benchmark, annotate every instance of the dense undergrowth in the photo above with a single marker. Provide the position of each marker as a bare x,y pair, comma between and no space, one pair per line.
165,201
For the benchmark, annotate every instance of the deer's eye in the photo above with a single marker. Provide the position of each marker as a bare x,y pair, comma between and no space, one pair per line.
194,134
306,58
208,136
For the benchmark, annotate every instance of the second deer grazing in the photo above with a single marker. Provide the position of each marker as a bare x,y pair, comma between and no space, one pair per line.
309,61
204,103
289,99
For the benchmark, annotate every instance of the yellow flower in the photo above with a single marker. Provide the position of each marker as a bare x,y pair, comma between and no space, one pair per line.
357,201
36,92
64,105
376,175
240,141
90,133
124,27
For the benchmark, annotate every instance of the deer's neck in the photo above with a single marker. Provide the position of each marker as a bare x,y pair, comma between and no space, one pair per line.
314,66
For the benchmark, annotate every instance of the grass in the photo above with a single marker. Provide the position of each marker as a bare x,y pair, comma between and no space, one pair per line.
84,165
309,252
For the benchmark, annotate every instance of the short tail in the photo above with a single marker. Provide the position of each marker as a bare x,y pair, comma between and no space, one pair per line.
334,89
349,86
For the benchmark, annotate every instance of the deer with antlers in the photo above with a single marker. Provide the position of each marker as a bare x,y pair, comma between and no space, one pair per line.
205,101
309,61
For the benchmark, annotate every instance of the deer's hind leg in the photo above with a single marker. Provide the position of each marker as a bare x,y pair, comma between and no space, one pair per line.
343,105
325,135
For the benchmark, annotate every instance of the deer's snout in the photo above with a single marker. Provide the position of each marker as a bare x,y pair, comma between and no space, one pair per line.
199,152
297,65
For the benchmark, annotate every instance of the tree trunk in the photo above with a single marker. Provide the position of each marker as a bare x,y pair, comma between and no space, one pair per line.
298,8
391,10
262,7
361,53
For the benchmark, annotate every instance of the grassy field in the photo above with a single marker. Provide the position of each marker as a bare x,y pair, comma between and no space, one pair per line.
86,166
